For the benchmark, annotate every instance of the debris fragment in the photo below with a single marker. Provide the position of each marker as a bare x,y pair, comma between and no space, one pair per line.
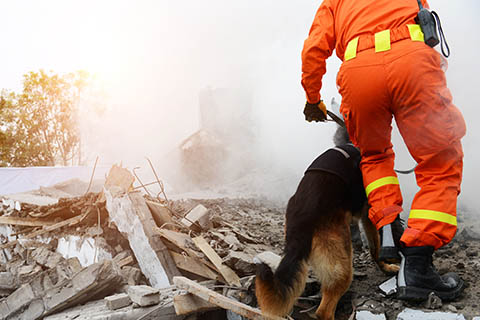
117,301
144,295
389,287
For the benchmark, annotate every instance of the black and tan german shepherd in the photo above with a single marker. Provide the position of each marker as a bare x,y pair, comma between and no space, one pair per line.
317,233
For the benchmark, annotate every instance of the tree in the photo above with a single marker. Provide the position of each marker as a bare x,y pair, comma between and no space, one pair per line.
41,126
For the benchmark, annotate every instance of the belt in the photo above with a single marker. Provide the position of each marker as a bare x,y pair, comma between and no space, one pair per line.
382,40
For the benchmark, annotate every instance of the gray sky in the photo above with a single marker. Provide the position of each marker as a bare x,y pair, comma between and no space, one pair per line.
153,57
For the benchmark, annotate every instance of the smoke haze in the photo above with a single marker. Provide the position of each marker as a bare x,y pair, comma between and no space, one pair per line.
152,58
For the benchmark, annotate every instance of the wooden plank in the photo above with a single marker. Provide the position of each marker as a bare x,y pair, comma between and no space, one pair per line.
188,303
160,213
15,221
125,261
193,265
220,300
183,241
46,229
230,276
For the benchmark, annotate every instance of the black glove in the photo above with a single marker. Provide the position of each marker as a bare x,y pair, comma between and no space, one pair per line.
315,111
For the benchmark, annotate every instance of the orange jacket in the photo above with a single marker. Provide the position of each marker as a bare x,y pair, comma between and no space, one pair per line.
339,21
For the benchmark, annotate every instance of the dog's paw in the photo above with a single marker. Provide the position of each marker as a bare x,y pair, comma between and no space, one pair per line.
388,268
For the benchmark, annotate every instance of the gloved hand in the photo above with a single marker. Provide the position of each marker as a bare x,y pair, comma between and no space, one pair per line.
315,111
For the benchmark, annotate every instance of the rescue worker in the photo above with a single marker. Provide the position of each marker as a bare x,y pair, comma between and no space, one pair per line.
388,71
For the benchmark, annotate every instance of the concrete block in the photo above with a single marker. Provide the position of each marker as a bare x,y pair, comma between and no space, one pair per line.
269,258
26,273
7,281
68,268
367,315
410,314
117,301
144,295
4,310
20,298
131,275
46,258
389,287
34,310
198,214
241,262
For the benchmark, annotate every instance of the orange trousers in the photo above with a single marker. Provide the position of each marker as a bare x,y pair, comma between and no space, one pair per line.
406,82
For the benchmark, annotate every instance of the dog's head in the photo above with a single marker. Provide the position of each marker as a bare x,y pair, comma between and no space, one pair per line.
341,136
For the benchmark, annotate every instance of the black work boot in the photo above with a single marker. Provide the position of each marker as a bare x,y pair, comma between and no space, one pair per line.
390,235
418,277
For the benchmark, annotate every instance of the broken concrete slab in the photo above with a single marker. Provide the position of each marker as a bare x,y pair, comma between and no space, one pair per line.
367,315
117,301
8,281
131,275
46,258
241,262
269,258
410,314
389,287
161,214
41,297
144,295
199,215
98,310
132,217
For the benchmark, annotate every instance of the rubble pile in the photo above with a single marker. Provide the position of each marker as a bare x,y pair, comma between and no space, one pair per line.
118,254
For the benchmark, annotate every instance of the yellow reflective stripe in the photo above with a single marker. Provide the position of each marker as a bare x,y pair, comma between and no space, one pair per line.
416,33
433,215
351,51
382,41
380,183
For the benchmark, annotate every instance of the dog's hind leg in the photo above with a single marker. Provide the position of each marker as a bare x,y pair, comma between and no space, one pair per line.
373,239
331,261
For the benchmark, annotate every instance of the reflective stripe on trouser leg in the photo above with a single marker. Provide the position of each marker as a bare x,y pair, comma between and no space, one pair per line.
432,220
382,188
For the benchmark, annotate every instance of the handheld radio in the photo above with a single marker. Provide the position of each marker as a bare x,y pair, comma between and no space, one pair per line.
428,23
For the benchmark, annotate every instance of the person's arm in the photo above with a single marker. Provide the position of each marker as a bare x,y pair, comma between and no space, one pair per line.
317,48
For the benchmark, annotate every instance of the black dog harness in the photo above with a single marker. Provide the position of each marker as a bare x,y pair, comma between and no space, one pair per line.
343,161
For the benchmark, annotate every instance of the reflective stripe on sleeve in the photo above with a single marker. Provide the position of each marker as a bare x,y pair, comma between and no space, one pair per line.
433,215
380,183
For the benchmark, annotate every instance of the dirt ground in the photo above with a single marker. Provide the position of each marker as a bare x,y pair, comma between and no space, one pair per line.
264,221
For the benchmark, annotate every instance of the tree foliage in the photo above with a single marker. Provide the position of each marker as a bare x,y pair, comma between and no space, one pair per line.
39,125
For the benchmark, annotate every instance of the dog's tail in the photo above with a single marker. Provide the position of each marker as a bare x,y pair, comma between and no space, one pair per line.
276,292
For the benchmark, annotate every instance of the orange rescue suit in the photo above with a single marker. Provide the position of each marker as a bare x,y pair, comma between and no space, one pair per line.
388,71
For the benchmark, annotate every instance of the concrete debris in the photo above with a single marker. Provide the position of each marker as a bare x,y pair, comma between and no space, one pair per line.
59,261
389,287
38,298
269,258
433,302
410,314
117,301
367,315
144,295
199,215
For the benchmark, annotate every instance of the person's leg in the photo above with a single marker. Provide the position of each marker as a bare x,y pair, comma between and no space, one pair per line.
431,127
368,117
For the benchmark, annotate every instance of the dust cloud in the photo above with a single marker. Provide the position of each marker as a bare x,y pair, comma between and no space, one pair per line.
153,58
